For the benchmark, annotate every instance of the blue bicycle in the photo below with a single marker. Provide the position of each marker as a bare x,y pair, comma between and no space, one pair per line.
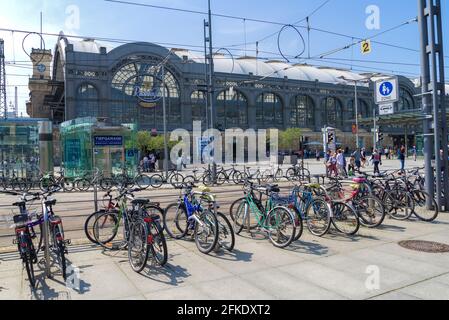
187,214
309,208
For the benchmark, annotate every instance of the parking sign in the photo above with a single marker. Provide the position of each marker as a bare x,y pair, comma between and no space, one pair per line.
387,91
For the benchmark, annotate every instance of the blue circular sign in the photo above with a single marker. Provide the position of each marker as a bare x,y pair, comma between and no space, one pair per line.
386,88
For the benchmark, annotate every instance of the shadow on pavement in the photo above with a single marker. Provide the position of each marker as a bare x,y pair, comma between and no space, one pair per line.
235,255
169,274
305,247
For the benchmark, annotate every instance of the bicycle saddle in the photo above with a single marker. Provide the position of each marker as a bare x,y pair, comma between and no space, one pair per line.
19,204
50,202
140,202
20,220
359,180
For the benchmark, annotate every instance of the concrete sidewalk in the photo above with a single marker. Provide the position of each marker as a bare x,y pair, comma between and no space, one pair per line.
369,266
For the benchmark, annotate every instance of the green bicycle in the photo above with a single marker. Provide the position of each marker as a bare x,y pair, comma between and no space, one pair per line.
278,222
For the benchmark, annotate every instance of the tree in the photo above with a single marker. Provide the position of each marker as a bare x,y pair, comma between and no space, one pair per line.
289,139
143,140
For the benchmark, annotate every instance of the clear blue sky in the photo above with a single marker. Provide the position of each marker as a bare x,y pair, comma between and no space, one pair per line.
105,19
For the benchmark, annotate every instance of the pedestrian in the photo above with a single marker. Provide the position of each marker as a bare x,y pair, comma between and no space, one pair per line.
327,163
152,160
146,164
414,153
357,159
317,155
377,160
402,158
341,166
363,157
333,165
351,167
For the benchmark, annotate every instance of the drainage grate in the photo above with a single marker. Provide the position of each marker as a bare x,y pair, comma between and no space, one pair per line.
425,246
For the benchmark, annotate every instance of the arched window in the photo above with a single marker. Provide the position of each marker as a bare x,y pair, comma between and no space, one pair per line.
87,104
302,112
232,110
333,112
133,83
406,101
199,109
269,110
363,110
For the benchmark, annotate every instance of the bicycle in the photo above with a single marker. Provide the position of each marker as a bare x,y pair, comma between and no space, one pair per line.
278,222
142,232
24,224
186,215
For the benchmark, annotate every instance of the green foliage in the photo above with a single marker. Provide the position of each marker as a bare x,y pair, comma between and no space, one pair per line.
146,142
289,139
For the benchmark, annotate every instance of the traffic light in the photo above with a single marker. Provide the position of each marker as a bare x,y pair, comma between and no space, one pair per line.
380,136
330,137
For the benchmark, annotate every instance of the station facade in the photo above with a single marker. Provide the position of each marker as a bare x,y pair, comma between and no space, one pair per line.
86,79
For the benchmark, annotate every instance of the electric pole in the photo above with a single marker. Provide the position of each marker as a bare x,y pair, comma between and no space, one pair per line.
433,93
211,90
3,102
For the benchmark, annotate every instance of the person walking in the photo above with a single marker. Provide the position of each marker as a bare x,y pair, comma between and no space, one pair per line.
341,163
357,159
414,152
377,160
317,155
333,165
327,163
363,157
351,167
402,158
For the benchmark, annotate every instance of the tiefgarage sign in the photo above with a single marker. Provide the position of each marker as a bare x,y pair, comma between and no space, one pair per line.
386,109
387,91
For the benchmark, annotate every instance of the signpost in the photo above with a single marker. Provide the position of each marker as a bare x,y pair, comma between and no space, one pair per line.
366,47
386,109
387,91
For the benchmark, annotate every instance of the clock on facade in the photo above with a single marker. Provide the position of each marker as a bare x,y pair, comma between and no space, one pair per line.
41,68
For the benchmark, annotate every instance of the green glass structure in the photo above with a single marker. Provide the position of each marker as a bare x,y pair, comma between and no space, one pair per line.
87,145
24,147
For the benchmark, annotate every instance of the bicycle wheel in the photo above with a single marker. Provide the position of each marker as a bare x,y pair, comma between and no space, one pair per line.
318,217
189,180
46,183
398,204
226,237
176,180
89,226
138,248
279,175
67,185
236,177
233,210
175,221
143,181
345,219
281,228
207,179
221,178
28,262
106,183
206,232
106,229
420,199
371,211
298,224
157,242
156,181
240,216
82,185
291,174
59,248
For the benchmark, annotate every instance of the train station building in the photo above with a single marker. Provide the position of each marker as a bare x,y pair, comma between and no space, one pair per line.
86,79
